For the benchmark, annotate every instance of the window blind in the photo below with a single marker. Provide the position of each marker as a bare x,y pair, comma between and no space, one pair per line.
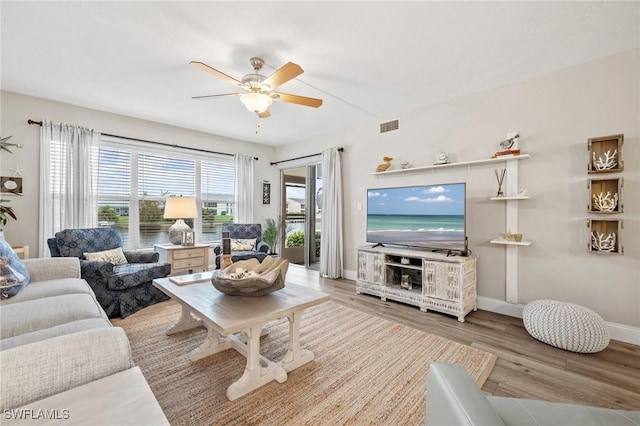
134,181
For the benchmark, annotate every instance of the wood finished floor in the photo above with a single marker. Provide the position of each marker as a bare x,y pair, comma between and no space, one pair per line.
526,368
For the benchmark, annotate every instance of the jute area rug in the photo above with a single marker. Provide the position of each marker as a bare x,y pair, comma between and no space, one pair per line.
367,370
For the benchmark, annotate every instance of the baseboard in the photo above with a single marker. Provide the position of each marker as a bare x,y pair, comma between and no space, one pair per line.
350,275
500,306
621,332
624,333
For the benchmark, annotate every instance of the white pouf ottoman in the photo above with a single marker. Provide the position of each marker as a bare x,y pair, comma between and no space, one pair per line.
566,326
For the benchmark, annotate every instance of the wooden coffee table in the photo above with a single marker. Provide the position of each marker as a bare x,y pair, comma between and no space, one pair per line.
237,322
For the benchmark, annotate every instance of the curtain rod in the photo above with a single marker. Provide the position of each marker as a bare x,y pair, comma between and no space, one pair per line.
299,158
39,123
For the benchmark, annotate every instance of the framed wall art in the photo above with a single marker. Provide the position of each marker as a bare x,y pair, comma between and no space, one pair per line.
11,185
266,193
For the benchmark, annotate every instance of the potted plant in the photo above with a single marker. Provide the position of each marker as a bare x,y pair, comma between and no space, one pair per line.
6,213
271,234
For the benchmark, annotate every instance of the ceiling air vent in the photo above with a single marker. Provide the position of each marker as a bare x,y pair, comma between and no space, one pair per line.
389,126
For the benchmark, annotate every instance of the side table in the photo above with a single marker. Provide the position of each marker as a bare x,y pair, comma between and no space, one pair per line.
184,258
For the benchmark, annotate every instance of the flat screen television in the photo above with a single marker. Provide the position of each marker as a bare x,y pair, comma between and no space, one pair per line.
425,216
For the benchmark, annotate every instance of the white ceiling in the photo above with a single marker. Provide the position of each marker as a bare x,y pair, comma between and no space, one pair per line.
369,61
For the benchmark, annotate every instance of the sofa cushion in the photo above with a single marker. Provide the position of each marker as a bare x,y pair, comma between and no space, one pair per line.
115,256
13,274
50,288
34,315
53,268
58,330
41,369
134,274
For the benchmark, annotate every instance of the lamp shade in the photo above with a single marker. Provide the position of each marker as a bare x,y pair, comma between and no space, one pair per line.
180,208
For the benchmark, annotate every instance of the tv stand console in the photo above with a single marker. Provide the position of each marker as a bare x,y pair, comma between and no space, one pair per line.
431,281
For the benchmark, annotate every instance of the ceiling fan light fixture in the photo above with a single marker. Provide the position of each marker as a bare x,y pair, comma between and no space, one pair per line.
256,102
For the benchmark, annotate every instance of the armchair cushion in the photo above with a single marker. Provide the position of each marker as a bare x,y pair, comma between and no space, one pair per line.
142,256
243,244
115,256
76,242
96,269
134,274
244,255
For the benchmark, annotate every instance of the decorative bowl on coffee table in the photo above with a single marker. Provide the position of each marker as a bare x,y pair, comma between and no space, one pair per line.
251,278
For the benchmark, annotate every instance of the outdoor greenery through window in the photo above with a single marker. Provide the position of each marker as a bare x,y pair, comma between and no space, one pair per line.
134,181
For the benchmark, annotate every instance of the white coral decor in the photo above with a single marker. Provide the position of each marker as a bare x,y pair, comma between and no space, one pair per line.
605,203
601,243
606,163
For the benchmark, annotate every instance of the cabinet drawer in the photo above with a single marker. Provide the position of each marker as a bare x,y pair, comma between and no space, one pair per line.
196,262
186,254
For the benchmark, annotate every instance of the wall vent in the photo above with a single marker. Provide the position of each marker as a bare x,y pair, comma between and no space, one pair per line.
389,126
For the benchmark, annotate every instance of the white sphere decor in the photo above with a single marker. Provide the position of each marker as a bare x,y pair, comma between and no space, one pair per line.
566,326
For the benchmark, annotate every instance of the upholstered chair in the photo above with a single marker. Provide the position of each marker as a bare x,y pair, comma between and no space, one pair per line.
121,280
248,233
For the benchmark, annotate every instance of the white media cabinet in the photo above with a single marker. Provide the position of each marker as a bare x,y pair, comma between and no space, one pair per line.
439,282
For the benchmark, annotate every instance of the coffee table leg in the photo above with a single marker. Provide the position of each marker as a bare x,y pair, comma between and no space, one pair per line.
295,356
213,344
186,322
254,375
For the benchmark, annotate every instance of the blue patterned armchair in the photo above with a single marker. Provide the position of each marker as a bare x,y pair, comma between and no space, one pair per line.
244,231
121,289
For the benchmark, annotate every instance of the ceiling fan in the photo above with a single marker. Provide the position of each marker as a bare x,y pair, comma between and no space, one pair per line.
259,92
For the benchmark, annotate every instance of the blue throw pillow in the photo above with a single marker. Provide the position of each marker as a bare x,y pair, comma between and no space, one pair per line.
13,274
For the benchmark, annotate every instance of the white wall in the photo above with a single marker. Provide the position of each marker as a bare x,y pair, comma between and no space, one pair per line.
17,109
555,114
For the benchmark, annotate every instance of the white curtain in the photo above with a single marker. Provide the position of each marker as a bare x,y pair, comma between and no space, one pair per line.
243,192
332,239
68,179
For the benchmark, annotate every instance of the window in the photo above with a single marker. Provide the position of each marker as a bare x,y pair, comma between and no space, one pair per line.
134,180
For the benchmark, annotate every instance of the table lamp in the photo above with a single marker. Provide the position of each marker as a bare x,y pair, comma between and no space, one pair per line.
179,208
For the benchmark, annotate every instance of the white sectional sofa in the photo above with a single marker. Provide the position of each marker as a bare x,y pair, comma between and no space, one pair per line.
58,346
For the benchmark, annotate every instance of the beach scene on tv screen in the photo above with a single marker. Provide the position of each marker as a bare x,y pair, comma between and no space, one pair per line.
428,216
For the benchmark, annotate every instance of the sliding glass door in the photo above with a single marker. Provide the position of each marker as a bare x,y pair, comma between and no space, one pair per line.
301,192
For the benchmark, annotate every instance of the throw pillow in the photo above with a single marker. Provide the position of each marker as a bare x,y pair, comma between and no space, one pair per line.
115,256
13,274
238,244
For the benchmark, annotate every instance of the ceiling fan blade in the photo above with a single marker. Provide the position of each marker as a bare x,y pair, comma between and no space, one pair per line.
283,74
264,114
216,73
215,96
300,100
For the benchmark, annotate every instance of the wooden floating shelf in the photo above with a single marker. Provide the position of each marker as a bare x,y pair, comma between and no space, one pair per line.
510,243
459,164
